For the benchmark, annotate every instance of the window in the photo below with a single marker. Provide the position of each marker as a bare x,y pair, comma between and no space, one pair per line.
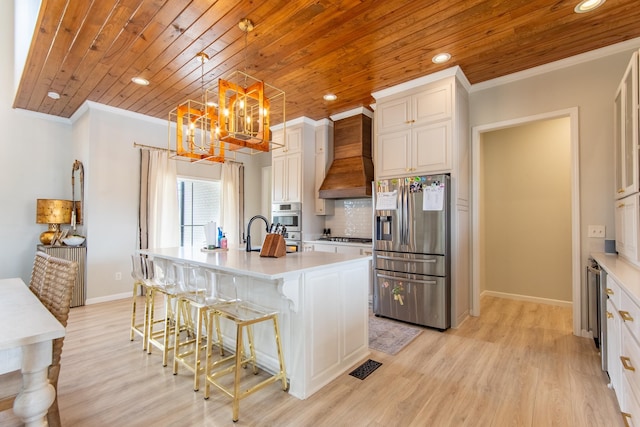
199,203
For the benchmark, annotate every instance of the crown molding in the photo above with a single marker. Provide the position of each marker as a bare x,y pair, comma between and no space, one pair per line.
558,65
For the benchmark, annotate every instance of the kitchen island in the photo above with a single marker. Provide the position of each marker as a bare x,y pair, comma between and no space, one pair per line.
322,300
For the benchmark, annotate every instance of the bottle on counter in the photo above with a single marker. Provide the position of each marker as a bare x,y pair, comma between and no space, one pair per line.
223,241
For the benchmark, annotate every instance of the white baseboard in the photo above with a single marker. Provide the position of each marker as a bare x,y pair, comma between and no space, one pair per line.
108,298
538,300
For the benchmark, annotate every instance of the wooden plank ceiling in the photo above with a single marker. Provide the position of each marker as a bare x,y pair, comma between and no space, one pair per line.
90,49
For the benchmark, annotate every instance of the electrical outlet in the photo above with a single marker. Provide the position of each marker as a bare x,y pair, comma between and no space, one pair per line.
596,231
118,276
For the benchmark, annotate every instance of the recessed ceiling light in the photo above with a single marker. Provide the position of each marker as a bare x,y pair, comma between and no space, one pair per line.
330,97
441,57
53,95
588,5
140,81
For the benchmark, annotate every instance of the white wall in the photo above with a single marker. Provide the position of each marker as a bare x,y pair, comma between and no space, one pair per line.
590,86
103,141
35,163
526,210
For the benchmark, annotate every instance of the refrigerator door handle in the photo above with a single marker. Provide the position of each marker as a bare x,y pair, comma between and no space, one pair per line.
401,213
408,216
405,214
393,258
427,282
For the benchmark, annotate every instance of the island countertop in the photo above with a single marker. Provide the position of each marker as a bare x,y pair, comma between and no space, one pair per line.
322,304
251,263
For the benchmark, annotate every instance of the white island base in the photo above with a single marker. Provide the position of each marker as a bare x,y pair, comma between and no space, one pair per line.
322,299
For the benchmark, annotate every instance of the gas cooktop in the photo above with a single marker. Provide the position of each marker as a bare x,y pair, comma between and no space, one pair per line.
346,239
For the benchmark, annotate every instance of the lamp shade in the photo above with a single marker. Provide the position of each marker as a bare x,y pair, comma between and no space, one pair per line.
53,211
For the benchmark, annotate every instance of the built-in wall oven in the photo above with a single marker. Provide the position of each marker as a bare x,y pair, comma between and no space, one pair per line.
289,215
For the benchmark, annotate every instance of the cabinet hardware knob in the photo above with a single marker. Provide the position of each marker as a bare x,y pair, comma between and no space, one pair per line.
609,315
625,316
620,190
609,291
621,205
626,363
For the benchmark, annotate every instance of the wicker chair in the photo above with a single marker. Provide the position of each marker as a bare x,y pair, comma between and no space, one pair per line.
56,293
52,282
38,272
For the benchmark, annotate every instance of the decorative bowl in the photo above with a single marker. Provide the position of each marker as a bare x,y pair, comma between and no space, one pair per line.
73,240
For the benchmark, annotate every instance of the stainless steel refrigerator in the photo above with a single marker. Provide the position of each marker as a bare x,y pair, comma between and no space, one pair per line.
411,250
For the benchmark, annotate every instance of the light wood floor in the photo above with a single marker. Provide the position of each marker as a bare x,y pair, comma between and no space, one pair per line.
516,365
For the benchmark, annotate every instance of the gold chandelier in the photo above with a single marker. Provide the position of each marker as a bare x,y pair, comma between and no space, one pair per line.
239,122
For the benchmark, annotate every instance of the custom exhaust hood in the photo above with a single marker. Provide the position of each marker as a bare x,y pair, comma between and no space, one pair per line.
351,172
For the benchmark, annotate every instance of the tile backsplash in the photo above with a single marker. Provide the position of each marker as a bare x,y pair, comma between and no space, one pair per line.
352,218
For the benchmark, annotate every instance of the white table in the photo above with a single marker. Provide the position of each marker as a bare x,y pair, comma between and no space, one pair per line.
27,329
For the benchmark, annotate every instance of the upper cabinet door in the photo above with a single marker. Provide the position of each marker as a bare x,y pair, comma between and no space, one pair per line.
432,105
394,115
626,132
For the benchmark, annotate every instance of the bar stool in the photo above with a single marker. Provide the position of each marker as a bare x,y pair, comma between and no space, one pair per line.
142,272
164,283
244,315
197,296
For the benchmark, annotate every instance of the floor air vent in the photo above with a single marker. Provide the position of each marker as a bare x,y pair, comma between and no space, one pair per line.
363,371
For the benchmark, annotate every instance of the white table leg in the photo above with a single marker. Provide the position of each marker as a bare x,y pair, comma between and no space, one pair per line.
37,394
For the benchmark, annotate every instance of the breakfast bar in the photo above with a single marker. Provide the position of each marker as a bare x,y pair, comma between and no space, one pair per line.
321,298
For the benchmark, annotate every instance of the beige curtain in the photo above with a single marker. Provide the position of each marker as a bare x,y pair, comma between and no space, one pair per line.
231,216
159,219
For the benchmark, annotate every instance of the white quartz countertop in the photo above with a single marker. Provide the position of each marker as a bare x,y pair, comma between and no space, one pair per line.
251,263
624,273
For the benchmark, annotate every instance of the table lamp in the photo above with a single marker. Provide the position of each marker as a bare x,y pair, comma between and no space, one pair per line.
53,212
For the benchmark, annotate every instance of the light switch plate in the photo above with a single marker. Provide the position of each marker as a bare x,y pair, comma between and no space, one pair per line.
596,231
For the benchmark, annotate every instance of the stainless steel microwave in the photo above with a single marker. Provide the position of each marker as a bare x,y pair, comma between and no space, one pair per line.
287,214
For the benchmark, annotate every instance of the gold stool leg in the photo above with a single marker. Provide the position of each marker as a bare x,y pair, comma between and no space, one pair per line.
141,329
133,311
236,382
283,371
176,333
169,316
252,351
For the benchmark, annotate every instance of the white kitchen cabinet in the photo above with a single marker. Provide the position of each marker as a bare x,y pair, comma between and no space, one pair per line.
627,223
287,165
613,347
623,351
321,247
430,104
416,151
626,132
323,158
623,333
293,171
287,178
337,333
414,132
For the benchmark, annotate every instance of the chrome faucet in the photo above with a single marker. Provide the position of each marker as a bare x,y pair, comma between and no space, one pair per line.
249,229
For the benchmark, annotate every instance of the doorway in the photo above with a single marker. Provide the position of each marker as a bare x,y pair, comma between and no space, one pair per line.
530,230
